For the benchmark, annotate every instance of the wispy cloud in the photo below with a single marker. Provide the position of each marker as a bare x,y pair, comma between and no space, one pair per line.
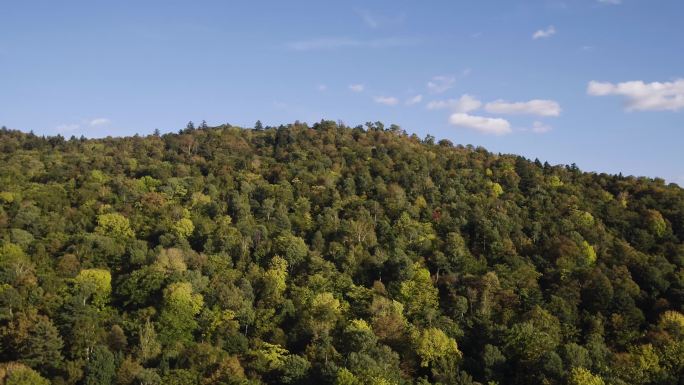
533,107
373,20
465,103
540,127
485,125
83,124
414,100
99,122
368,18
357,87
641,96
544,33
331,43
322,87
386,100
610,2
442,83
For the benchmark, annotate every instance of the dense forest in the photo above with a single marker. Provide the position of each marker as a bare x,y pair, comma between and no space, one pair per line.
328,254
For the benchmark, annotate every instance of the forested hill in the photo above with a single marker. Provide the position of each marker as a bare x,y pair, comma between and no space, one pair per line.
330,255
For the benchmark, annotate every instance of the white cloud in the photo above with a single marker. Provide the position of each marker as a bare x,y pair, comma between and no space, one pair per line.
322,87
540,128
640,96
544,33
465,103
611,2
496,126
332,43
414,100
533,107
386,100
357,87
439,84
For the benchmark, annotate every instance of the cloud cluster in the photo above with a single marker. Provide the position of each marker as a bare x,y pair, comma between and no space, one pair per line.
461,109
461,113
641,96
537,107
544,33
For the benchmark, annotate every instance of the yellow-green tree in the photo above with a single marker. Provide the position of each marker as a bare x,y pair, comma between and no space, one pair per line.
13,373
177,319
581,376
324,311
437,351
95,284
419,296
183,227
114,225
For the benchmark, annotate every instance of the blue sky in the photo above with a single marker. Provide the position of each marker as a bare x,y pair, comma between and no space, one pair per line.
594,82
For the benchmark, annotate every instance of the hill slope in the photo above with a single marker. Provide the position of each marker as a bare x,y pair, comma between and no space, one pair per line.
326,254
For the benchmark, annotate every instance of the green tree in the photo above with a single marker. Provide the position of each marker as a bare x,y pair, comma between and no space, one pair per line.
149,347
292,248
42,346
101,368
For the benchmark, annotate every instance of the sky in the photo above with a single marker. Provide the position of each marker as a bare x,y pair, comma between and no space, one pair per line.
599,83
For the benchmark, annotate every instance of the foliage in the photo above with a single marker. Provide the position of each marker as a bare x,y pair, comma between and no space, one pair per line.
113,224
12,373
329,254
94,283
581,376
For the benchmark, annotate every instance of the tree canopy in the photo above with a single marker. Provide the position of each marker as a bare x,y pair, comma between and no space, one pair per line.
328,254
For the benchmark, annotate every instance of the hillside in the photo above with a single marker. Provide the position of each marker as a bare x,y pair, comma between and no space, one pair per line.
330,255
